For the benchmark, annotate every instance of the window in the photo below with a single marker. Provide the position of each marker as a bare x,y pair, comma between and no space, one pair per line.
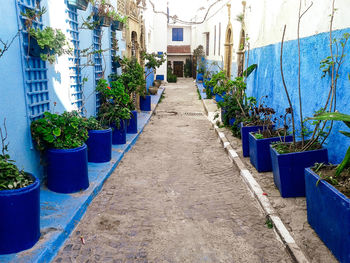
207,44
178,34
219,37
214,39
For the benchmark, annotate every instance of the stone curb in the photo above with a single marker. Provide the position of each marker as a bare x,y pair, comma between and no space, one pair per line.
283,233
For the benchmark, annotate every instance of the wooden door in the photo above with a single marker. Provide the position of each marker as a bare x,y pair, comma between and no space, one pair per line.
179,68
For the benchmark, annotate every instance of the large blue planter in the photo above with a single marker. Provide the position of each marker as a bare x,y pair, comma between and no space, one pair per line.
132,124
200,76
99,146
288,169
219,98
245,130
145,103
259,152
328,213
67,170
119,134
20,218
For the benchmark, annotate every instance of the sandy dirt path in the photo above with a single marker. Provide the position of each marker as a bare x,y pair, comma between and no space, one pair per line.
175,197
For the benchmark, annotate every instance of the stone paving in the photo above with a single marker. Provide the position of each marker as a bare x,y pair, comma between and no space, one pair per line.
175,197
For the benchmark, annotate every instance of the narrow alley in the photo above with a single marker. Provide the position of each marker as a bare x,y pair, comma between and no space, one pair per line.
175,197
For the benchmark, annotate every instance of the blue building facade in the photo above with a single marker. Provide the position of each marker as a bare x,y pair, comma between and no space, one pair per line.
30,86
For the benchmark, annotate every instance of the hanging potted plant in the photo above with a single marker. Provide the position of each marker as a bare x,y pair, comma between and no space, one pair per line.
99,143
327,197
19,202
103,12
79,4
114,109
118,21
61,140
44,43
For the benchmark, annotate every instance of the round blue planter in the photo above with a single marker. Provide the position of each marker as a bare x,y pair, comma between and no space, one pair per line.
67,170
132,124
99,146
145,103
245,130
200,76
328,214
219,98
232,121
119,134
20,218
259,152
288,170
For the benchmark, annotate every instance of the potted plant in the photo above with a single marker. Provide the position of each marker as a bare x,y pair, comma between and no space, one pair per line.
290,159
19,202
99,143
79,4
61,140
153,61
118,21
47,43
103,12
327,198
114,109
259,142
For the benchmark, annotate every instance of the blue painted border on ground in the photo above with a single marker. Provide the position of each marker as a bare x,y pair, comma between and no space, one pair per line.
201,90
60,213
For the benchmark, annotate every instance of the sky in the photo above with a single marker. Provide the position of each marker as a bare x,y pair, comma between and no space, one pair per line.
186,9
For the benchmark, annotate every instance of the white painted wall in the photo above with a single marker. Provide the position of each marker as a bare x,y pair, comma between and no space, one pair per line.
186,35
265,19
156,31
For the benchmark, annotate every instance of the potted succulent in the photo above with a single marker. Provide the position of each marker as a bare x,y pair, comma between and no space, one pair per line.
19,202
259,142
99,143
79,4
327,198
114,109
61,140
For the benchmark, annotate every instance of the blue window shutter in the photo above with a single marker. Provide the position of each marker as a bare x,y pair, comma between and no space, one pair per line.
174,34
180,34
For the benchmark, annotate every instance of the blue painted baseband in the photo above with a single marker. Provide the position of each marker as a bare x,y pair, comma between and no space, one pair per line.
201,90
60,213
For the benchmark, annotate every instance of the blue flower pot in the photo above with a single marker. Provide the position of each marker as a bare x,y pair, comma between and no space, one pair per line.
259,152
328,213
219,98
119,134
145,103
115,25
245,130
132,124
99,146
20,218
288,169
199,76
231,121
79,4
35,50
67,170
212,90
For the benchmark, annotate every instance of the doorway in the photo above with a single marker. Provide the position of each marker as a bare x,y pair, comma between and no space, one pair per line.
179,68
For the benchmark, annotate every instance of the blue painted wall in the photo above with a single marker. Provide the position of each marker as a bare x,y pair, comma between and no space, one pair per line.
150,77
13,94
266,80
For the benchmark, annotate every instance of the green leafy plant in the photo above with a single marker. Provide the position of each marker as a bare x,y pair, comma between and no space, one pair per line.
10,176
92,123
345,118
188,68
51,41
115,103
171,78
59,131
